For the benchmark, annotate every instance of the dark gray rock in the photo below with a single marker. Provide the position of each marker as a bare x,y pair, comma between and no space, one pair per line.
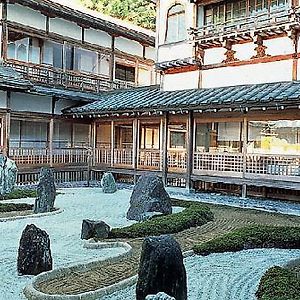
161,269
8,175
94,229
149,195
34,255
160,296
46,192
108,183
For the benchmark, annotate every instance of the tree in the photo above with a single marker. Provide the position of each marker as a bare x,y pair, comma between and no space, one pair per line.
139,12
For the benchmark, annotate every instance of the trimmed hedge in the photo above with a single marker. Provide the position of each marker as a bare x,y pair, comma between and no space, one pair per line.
194,215
252,237
20,193
279,284
9,207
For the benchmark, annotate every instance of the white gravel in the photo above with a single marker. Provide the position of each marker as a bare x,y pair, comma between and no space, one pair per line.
234,276
226,276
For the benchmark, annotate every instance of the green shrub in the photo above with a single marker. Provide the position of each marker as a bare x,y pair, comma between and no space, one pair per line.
20,193
9,207
279,284
252,237
194,215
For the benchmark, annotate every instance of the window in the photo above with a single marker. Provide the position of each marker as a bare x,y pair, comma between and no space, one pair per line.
177,136
176,29
149,137
125,73
85,61
53,54
228,11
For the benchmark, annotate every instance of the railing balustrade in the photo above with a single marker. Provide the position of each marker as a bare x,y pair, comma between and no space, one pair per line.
102,156
177,160
149,159
123,157
30,156
48,75
71,156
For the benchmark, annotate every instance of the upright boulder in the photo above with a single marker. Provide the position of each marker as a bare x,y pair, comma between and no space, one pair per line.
149,195
46,192
108,183
161,269
34,255
8,175
94,229
160,296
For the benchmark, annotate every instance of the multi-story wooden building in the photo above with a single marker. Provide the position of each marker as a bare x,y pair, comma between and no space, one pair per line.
226,112
54,57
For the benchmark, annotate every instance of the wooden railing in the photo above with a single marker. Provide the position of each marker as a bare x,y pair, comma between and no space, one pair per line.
123,157
48,75
30,156
177,160
102,156
149,159
268,20
70,156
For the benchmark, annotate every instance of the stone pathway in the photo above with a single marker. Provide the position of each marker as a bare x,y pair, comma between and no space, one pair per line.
226,219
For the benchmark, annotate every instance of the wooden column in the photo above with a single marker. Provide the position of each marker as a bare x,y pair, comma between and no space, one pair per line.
245,141
112,142
51,133
165,148
135,154
112,60
4,32
190,150
6,126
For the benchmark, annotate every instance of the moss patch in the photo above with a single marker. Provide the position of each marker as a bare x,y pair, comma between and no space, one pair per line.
194,215
252,237
20,193
9,207
279,284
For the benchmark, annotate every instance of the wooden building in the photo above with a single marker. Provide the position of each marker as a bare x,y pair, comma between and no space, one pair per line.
225,114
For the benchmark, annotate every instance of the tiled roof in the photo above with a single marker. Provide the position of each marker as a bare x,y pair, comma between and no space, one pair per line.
153,99
9,78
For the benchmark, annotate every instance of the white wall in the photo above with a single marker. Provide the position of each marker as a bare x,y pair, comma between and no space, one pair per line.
97,37
279,46
244,51
65,28
144,77
62,104
31,103
214,55
171,52
150,53
128,46
26,16
3,102
248,74
181,81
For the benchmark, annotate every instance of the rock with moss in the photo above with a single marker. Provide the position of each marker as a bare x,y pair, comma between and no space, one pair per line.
8,175
108,183
160,296
148,196
94,229
34,255
46,192
161,269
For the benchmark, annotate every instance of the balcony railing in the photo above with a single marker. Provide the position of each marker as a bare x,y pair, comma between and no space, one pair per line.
50,76
275,20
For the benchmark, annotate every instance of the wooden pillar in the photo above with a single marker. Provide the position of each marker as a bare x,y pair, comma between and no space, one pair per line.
112,142
135,154
4,32
112,60
165,148
190,150
51,133
93,142
6,126
245,141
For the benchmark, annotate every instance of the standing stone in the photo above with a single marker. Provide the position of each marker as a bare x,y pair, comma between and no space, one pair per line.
8,175
160,296
108,183
149,195
161,269
34,255
94,229
46,192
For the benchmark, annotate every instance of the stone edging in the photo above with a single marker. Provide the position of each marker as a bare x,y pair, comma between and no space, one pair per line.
32,293
40,215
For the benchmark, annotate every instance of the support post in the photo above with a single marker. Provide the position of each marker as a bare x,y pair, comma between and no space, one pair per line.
245,141
6,126
51,132
112,142
135,154
165,148
190,150
4,32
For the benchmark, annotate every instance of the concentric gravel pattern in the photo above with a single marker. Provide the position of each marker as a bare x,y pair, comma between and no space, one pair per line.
226,219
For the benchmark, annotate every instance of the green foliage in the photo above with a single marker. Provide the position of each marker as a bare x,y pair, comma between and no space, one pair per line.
194,215
252,237
279,284
20,193
139,12
9,207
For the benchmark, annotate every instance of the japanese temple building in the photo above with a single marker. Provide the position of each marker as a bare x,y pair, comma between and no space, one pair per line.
220,110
